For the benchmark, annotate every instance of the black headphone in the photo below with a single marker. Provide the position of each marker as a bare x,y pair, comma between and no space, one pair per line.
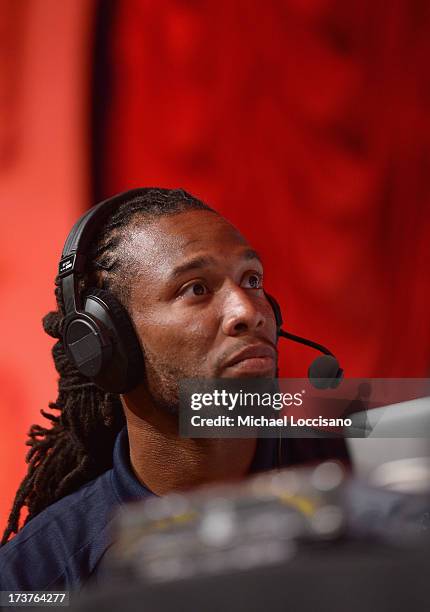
98,333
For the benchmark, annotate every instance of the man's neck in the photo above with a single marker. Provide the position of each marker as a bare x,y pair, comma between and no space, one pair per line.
164,462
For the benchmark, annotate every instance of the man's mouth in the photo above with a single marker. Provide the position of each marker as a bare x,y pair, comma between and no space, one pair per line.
255,359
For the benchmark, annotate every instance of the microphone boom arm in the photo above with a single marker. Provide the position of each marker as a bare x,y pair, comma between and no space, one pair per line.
315,345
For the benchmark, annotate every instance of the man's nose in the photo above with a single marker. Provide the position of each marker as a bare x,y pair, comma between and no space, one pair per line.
242,313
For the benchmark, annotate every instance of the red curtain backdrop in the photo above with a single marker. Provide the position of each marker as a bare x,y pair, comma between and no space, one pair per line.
45,64
306,123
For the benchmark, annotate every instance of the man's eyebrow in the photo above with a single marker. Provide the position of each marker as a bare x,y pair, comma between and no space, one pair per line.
194,264
251,254
203,262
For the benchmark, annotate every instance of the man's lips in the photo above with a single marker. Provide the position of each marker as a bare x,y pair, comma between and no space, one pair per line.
251,352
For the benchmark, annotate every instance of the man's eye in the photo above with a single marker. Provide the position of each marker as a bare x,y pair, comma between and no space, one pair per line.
195,289
253,280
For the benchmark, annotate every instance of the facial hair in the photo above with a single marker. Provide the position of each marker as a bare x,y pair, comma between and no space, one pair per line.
162,378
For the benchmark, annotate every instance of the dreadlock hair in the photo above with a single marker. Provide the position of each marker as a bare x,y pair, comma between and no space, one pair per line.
79,444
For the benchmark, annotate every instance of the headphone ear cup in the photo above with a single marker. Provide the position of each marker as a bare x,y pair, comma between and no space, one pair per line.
87,343
124,370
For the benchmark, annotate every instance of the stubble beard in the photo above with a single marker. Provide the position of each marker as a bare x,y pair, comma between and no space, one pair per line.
162,381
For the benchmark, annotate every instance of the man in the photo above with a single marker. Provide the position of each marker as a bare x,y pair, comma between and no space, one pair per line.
193,289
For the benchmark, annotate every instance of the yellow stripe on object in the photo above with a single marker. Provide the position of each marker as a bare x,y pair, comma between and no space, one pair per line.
303,504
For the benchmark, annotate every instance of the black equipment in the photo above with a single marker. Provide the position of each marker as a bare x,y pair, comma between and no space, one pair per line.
98,334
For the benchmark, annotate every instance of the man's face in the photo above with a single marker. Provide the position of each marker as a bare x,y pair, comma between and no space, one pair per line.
197,303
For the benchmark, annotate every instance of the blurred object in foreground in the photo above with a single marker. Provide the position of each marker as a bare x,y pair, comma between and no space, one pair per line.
227,528
308,539
353,577
406,475
269,519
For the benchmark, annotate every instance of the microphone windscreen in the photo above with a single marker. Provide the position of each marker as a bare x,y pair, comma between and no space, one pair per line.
325,372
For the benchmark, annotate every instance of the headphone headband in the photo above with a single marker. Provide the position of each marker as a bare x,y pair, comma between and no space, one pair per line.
77,242
75,250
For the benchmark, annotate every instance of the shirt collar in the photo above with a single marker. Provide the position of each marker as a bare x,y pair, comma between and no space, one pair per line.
125,482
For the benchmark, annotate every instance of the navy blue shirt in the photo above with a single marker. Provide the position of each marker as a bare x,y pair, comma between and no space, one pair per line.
62,547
